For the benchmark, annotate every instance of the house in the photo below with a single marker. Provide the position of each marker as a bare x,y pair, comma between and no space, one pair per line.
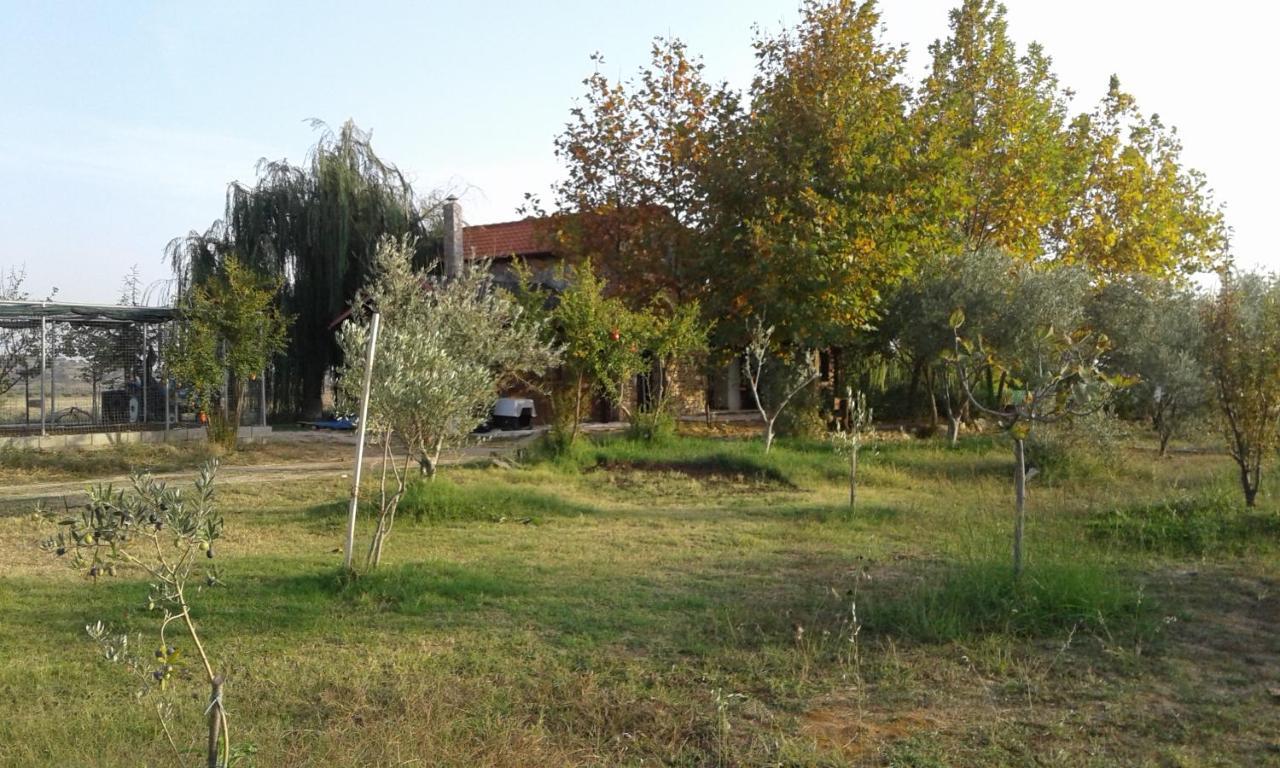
530,241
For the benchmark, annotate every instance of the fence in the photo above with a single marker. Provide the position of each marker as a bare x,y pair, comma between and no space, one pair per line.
84,368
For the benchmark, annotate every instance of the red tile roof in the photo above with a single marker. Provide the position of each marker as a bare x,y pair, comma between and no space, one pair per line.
508,238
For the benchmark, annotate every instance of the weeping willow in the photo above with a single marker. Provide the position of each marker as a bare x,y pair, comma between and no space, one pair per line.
314,226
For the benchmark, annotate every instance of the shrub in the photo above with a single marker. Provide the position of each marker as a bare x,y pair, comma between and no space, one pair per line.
808,415
656,426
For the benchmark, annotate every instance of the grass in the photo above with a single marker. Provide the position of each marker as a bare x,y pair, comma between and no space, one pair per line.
1209,523
975,600
696,603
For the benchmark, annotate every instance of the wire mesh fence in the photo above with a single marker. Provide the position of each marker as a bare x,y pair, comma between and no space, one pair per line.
67,368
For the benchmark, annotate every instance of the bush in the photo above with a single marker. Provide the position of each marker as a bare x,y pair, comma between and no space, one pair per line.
656,426
806,416
985,599
1187,525
1083,449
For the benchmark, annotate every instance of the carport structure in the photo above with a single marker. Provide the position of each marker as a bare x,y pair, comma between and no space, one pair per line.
69,367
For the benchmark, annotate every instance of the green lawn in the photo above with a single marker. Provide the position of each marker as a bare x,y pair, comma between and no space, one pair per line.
698,604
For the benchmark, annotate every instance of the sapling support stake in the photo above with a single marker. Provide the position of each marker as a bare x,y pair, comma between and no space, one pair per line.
361,429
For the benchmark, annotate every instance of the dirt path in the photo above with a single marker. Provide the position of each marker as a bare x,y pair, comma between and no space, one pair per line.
19,498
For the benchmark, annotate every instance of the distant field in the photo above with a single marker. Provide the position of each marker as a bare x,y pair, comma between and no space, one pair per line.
701,604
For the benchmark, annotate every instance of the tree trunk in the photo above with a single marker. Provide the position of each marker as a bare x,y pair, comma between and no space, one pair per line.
853,477
768,434
1249,481
912,388
215,723
431,463
953,417
932,384
1020,502
577,410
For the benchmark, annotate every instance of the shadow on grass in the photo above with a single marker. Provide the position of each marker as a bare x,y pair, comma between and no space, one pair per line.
420,588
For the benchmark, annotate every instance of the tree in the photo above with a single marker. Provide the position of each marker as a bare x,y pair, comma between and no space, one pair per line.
1243,338
674,336
603,343
809,191
1140,210
19,347
998,152
633,151
1055,377
445,348
1158,334
101,347
315,228
915,327
161,532
228,330
796,372
857,427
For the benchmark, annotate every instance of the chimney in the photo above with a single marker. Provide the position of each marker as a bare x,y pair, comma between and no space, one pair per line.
452,237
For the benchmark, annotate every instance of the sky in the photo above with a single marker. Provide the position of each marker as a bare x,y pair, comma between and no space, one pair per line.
122,123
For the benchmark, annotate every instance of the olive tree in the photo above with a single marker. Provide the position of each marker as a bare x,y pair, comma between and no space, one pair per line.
1158,335
169,536
445,349
1243,340
856,428
915,327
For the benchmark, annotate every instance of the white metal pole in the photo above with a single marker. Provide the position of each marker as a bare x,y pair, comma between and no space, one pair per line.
43,330
146,375
360,433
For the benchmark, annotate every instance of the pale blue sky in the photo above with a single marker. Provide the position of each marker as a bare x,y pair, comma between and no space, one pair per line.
121,123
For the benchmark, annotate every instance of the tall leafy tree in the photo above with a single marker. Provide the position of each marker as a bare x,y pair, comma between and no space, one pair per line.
633,151
996,142
809,190
314,227
1141,209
